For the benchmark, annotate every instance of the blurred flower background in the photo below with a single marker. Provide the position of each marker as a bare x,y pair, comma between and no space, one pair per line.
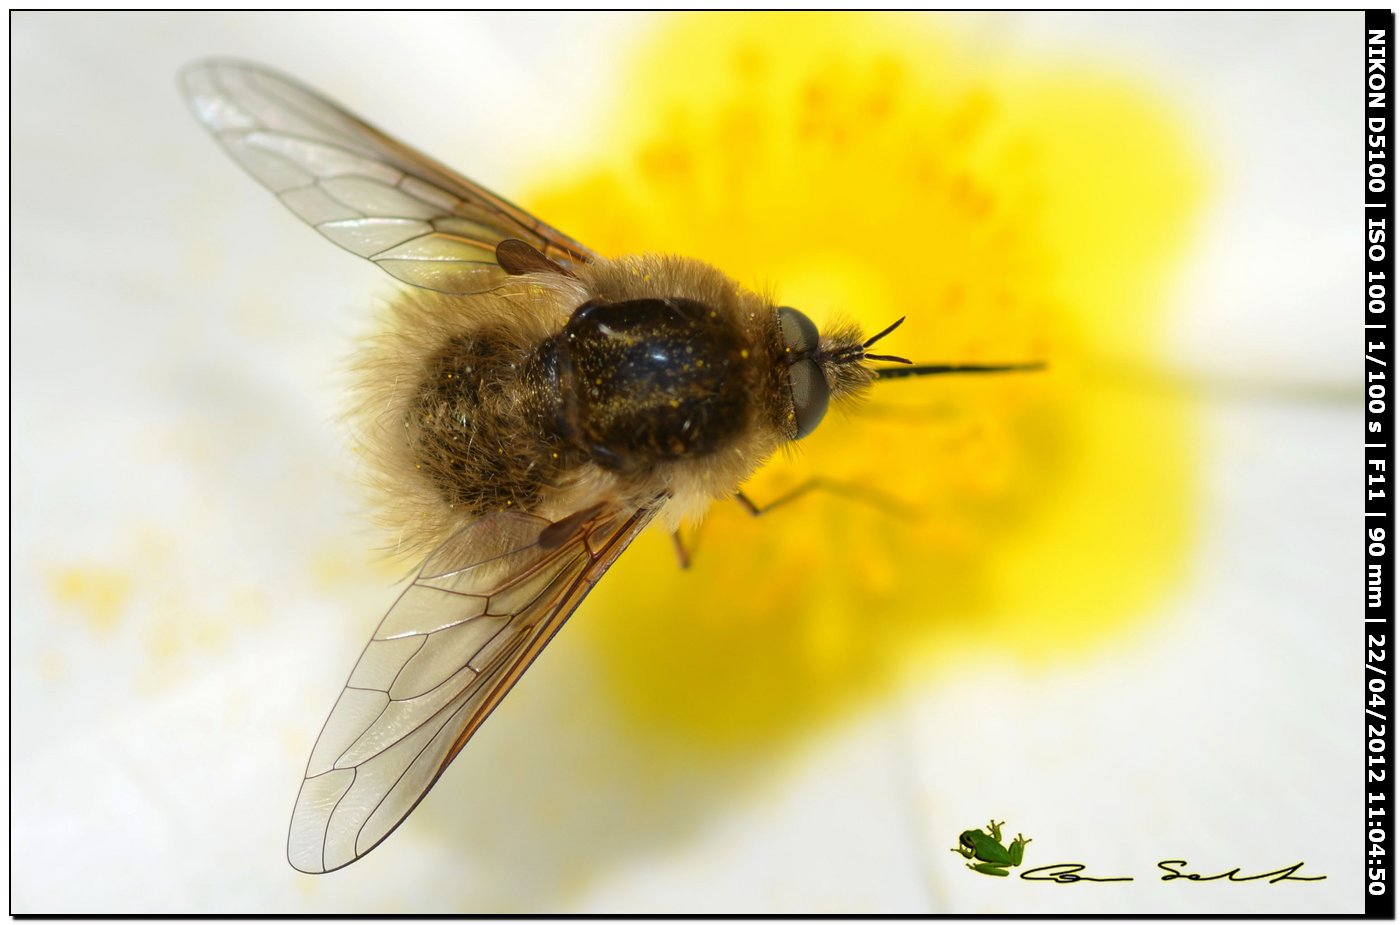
1113,603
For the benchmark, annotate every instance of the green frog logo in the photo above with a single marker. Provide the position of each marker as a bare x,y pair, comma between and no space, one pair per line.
993,858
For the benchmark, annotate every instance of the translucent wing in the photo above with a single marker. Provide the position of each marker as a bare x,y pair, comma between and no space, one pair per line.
365,191
482,607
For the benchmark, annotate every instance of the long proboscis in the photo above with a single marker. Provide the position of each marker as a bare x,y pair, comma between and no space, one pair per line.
900,372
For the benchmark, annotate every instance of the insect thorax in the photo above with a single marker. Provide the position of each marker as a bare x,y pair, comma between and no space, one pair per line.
649,381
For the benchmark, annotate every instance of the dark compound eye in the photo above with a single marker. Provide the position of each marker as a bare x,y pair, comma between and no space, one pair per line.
800,335
810,393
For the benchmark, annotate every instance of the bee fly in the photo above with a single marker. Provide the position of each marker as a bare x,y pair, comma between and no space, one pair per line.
530,408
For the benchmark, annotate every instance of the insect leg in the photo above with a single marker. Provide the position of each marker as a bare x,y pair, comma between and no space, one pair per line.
852,491
682,554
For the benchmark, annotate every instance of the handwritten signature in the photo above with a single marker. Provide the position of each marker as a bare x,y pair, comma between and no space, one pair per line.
1173,870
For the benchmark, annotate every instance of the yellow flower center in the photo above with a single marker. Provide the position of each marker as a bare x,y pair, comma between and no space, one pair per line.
867,167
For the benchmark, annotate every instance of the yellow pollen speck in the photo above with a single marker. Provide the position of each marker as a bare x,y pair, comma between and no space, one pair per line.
98,594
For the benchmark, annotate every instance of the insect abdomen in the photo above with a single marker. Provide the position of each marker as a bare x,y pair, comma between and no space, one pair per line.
480,426
648,381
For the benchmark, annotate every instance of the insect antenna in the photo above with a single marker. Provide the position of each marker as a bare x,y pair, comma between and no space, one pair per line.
886,331
910,369
900,372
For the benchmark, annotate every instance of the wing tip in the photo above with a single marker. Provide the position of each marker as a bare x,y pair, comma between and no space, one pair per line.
200,70
219,62
297,866
201,76
308,859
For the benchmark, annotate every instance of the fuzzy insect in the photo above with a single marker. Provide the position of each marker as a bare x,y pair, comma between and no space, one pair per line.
530,408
